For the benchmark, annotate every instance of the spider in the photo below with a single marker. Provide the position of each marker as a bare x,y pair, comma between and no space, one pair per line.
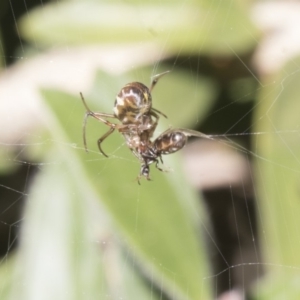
133,107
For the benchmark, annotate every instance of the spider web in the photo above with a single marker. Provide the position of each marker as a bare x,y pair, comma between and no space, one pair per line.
235,172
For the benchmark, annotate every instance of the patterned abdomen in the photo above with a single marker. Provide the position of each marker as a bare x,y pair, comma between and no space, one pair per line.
169,142
133,101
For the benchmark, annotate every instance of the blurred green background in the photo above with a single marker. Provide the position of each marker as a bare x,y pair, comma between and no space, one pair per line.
76,225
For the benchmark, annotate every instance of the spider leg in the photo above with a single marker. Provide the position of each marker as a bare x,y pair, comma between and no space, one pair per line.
153,113
153,83
154,110
84,131
100,117
109,132
155,80
97,115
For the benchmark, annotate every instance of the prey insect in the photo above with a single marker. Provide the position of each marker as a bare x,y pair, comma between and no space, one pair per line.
133,108
148,152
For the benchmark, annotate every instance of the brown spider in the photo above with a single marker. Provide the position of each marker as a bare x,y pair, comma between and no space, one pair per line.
133,107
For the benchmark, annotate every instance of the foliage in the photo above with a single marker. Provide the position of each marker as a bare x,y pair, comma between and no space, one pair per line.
89,230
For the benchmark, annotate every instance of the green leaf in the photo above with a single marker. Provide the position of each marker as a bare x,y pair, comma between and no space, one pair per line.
278,286
58,258
218,27
7,265
277,169
68,249
158,221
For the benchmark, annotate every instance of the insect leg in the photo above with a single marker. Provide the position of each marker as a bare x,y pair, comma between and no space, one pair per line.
157,167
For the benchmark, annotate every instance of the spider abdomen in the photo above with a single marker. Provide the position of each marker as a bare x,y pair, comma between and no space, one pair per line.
133,101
